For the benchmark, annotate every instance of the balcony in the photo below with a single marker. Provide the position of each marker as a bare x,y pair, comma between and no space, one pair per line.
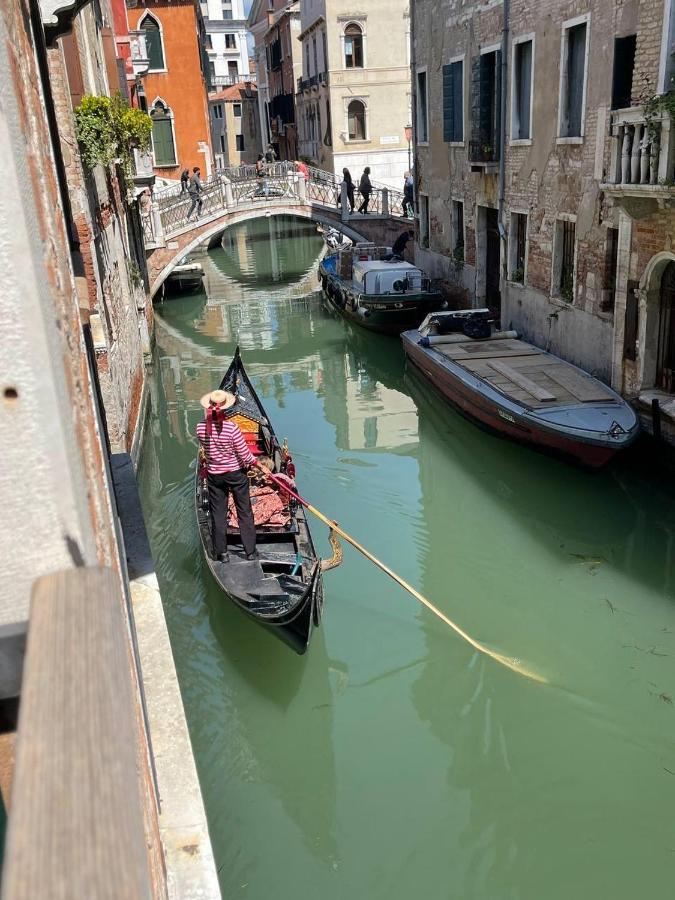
642,163
220,81
484,155
139,52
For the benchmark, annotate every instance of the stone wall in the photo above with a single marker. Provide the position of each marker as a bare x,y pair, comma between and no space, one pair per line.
109,263
546,178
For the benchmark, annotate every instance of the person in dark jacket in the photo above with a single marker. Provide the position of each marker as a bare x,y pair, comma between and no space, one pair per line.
184,179
195,190
347,179
365,189
400,244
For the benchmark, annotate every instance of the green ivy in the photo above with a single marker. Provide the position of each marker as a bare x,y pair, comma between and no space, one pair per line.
655,108
107,128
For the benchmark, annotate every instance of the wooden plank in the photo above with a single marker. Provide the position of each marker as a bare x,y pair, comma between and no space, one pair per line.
459,353
75,827
584,388
522,381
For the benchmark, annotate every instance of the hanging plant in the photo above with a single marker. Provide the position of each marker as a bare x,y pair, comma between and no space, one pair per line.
655,108
95,131
107,128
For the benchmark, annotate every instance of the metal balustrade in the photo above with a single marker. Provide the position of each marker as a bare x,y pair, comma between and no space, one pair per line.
231,187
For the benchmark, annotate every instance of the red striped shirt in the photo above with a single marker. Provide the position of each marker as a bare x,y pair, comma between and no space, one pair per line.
225,449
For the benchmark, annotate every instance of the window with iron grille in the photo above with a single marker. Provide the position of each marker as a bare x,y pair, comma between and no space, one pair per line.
517,247
458,230
563,260
609,275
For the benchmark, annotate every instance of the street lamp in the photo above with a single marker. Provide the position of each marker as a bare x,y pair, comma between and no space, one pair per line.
408,136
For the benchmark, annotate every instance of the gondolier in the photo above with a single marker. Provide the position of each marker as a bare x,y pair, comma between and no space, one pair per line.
227,460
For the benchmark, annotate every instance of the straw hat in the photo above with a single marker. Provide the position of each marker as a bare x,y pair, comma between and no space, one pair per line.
221,399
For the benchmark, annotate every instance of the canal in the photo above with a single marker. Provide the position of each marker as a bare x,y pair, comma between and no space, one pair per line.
392,762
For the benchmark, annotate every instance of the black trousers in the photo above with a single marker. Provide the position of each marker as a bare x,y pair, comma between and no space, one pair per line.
364,203
220,487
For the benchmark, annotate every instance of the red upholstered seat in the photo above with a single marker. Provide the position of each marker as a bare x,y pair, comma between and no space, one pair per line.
251,439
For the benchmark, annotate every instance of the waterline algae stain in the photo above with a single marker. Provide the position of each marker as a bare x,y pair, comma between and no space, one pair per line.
393,761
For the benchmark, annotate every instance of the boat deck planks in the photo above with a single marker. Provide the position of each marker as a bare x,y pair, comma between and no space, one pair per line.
539,393
525,373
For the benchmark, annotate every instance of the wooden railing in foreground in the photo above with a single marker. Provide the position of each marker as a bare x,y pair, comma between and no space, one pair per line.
75,823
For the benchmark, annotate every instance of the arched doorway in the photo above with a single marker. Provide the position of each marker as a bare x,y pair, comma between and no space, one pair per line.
665,363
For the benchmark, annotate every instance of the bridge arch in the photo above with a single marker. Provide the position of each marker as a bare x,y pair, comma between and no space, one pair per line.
205,233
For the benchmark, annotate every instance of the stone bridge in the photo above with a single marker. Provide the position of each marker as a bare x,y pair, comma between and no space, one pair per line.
235,195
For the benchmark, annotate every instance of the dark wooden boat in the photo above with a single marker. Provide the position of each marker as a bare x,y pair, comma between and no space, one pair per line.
381,295
283,590
520,391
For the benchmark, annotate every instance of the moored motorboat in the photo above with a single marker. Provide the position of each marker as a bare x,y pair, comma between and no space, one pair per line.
518,390
382,294
186,276
283,589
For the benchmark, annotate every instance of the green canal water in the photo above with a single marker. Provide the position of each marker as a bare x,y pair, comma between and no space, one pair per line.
392,762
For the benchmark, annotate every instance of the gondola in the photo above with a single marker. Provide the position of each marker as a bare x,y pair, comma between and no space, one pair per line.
283,589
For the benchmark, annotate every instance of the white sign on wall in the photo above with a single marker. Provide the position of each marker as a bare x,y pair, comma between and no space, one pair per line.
390,139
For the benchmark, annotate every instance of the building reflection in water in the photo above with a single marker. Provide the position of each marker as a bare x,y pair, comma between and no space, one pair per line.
261,294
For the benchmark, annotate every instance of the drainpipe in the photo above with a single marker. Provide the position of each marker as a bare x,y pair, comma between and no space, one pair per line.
502,143
413,119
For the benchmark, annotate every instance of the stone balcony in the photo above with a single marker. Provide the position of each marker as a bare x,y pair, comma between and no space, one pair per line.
642,164
139,52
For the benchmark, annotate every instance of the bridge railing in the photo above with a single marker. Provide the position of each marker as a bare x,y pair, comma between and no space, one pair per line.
228,188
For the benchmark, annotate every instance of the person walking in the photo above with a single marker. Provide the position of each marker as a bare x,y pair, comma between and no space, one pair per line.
365,189
270,155
227,459
195,191
408,195
184,179
347,180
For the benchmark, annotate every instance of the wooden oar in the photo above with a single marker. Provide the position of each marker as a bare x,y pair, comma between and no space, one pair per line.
510,662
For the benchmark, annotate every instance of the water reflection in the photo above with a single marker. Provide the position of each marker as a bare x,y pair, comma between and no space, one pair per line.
391,762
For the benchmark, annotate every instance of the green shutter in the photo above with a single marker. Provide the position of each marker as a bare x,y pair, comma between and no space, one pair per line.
162,142
153,43
453,103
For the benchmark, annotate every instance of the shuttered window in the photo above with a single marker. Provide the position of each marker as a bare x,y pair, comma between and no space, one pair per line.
163,145
153,42
485,107
574,66
453,102
522,89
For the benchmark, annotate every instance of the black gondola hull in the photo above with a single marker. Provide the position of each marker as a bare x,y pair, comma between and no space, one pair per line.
283,589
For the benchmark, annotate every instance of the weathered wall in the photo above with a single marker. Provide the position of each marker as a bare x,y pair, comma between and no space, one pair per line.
545,177
182,85
110,264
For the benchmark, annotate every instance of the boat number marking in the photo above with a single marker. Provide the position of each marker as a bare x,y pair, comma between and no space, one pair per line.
507,416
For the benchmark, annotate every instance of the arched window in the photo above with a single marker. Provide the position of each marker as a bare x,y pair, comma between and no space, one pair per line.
356,118
153,41
353,47
163,143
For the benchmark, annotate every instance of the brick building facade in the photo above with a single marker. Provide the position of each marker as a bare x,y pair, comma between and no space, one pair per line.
552,200
175,84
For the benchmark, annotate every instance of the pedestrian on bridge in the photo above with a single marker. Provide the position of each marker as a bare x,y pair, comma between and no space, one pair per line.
195,191
365,189
184,181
